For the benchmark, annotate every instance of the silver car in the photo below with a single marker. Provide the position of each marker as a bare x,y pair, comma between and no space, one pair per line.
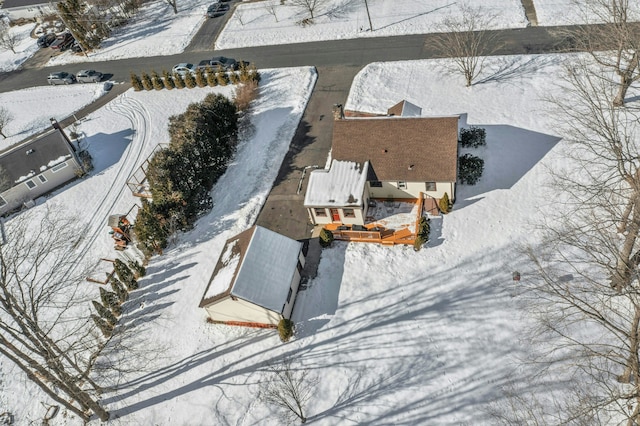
61,77
89,76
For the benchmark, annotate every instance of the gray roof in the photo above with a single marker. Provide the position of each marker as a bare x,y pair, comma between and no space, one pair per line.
34,155
267,269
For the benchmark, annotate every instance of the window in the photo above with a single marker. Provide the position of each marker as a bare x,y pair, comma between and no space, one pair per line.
321,212
58,167
348,213
3,202
402,184
42,178
289,295
430,186
299,267
30,184
376,184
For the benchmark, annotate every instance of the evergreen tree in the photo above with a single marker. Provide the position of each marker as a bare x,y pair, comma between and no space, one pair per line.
221,76
124,273
105,328
253,72
168,80
189,81
136,83
245,76
212,80
137,268
325,238
444,203
111,301
146,81
178,81
105,313
201,80
234,78
119,289
158,84
151,229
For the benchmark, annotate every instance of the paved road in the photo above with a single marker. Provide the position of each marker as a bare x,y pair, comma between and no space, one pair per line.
337,62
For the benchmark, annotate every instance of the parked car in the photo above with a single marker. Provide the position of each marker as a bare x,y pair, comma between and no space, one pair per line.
75,47
61,77
62,42
183,68
45,40
217,9
88,76
227,64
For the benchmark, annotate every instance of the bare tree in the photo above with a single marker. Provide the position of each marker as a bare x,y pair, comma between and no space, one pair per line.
288,389
5,118
8,39
271,10
173,4
614,40
585,277
44,320
465,39
312,7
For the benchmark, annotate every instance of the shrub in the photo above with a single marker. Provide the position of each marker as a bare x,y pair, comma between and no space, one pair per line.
470,169
221,76
233,77
137,268
136,83
189,81
245,94
104,327
105,313
473,137
125,274
168,80
201,80
325,237
158,84
178,81
422,233
119,289
419,242
212,80
285,329
146,81
444,204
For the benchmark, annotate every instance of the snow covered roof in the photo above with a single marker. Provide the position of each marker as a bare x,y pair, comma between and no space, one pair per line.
341,185
256,265
35,155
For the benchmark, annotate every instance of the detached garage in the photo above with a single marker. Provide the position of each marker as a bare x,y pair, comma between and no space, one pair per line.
256,279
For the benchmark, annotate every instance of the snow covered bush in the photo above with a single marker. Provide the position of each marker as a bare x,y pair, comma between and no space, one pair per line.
444,204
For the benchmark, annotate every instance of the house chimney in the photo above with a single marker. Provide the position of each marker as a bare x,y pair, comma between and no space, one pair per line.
338,112
54,123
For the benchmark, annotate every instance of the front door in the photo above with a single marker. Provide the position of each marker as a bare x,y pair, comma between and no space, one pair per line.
335,215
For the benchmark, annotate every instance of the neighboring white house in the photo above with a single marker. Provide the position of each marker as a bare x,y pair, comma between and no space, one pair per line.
256,279
398,156
27,9
35,167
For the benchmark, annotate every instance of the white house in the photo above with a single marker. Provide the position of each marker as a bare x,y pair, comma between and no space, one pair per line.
26,9
256,279
403,156
35,167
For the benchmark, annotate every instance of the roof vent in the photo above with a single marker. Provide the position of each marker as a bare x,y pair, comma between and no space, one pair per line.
30,151
385,151
410,167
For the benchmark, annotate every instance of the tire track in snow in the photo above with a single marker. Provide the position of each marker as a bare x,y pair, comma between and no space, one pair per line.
138,116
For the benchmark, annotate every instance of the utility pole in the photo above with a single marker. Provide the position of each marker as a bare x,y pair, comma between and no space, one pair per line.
366,5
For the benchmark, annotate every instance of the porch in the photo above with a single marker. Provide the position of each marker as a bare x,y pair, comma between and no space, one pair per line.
388,222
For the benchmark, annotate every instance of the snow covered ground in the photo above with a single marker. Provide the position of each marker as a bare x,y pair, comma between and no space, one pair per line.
395,336
156,30
25,48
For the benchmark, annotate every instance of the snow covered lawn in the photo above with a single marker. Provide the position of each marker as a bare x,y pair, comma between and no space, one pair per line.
25,48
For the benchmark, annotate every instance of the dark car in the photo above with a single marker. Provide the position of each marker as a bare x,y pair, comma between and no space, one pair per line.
227,64
217,9
62,42
60,77
46,40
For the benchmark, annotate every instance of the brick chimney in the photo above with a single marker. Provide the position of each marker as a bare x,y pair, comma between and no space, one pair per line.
338,112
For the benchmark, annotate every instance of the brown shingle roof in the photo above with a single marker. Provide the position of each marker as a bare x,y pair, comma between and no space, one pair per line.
421,149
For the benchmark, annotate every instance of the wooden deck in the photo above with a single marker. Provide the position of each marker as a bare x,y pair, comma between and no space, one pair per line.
375,233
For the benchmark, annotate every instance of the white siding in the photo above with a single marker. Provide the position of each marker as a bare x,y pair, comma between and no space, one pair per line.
288,306
413,190
228,309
